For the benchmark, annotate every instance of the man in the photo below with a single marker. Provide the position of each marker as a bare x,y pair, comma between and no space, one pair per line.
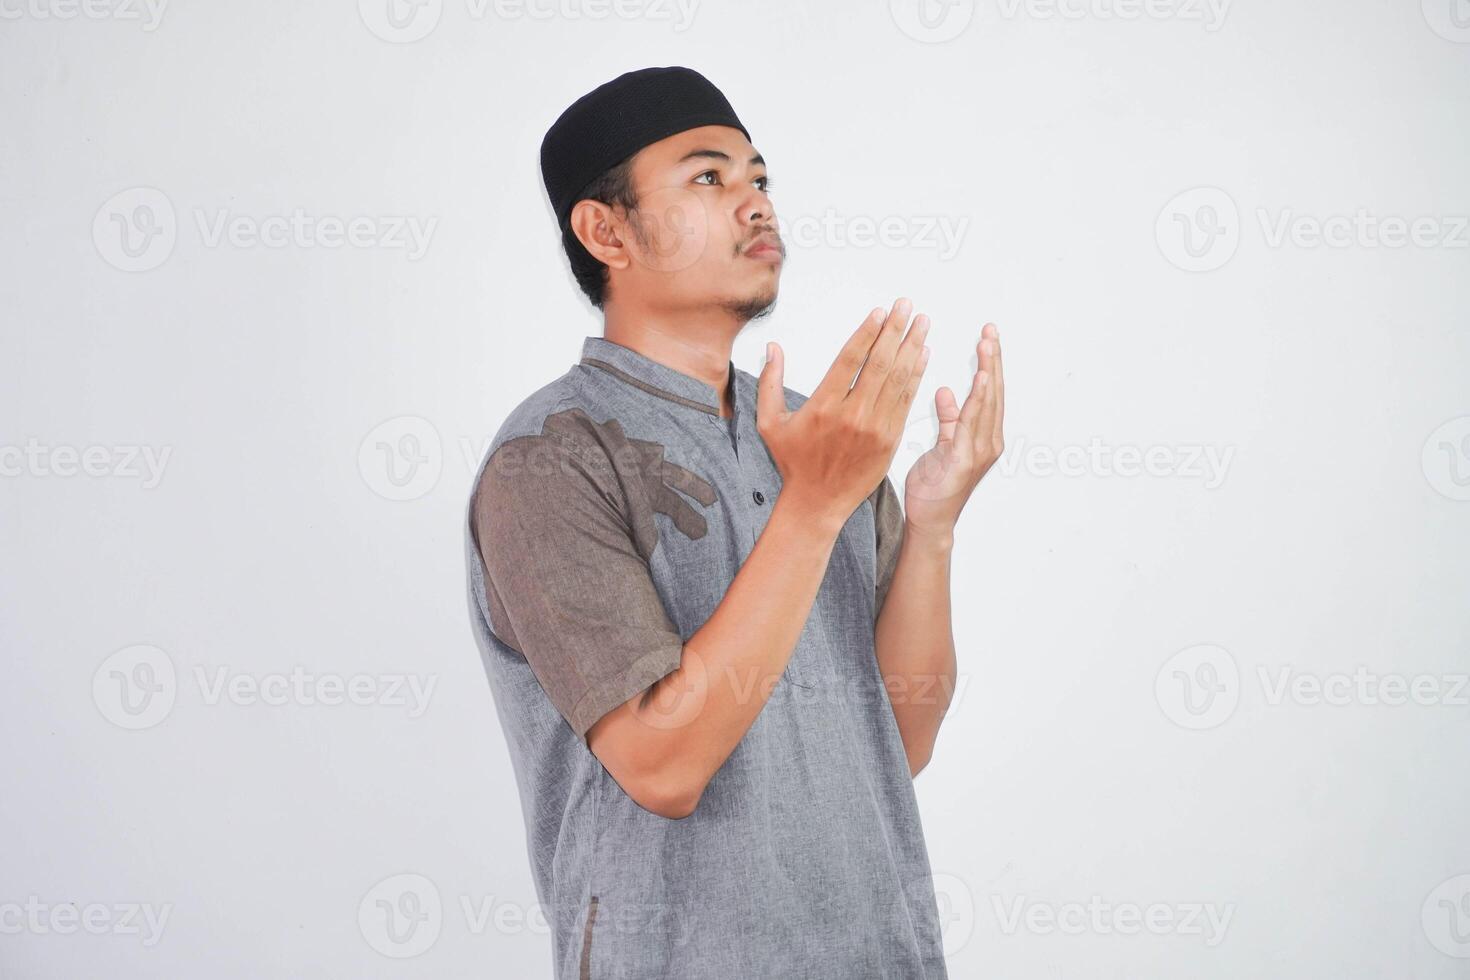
690,585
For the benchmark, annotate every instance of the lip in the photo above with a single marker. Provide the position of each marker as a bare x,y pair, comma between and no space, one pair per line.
766,249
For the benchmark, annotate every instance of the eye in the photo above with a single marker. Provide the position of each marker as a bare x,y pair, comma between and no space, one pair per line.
765,183
708,173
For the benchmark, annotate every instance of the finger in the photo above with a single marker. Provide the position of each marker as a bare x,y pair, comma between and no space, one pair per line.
984,429
947,410
1000,376
896,397
991,348
770,396
838,379
975,401
882,357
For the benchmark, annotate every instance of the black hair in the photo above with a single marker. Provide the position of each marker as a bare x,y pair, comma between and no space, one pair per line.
614,188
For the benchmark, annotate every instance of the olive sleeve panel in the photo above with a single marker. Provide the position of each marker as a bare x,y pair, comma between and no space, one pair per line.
568,586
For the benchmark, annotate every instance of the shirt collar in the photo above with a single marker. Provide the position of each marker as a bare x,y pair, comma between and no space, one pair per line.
652,376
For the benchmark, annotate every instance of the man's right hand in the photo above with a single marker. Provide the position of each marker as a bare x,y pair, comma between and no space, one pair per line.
838,445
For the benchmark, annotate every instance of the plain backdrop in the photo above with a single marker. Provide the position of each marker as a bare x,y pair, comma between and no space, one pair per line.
273,274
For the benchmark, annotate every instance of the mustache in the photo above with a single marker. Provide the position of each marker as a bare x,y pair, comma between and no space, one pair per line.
761,232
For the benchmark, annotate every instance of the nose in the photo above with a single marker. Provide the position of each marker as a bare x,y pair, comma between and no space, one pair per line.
756,209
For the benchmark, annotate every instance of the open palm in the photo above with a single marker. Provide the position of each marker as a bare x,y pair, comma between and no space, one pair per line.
970,440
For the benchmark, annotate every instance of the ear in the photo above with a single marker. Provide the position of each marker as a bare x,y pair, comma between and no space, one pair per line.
599,231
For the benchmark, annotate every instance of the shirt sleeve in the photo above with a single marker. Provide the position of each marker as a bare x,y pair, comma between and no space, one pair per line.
888,527
568,585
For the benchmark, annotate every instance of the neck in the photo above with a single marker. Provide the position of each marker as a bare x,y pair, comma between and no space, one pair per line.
698,346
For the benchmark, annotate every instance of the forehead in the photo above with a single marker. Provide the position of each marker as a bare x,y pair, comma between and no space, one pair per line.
670,151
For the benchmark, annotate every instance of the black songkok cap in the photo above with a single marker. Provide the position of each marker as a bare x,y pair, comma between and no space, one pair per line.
621,117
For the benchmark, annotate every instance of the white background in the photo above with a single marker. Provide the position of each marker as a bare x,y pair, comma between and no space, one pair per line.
1078,764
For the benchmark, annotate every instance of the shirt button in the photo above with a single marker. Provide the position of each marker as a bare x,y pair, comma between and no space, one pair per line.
758,497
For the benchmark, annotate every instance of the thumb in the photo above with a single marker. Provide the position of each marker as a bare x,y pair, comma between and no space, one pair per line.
770,396
947,410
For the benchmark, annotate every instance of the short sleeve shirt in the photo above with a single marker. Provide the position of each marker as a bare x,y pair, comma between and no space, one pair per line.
609,516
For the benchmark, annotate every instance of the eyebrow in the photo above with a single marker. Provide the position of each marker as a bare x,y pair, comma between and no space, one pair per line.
717,155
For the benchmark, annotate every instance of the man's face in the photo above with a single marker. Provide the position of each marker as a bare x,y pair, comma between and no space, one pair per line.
705,231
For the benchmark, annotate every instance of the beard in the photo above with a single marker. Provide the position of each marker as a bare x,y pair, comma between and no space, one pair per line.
752,307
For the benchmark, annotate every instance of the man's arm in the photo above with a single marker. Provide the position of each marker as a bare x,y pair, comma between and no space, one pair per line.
914,635
663,746
914,640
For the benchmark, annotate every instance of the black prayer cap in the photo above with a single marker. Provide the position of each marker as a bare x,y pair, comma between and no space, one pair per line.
621,117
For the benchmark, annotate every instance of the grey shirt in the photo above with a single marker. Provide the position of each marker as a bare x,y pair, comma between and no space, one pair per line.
612,510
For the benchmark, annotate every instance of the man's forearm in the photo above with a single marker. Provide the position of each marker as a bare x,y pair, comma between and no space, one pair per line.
700,712
914,639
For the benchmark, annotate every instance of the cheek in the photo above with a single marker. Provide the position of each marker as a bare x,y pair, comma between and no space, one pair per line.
677,230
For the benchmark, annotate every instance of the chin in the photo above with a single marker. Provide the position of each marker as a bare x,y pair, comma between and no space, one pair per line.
755,305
